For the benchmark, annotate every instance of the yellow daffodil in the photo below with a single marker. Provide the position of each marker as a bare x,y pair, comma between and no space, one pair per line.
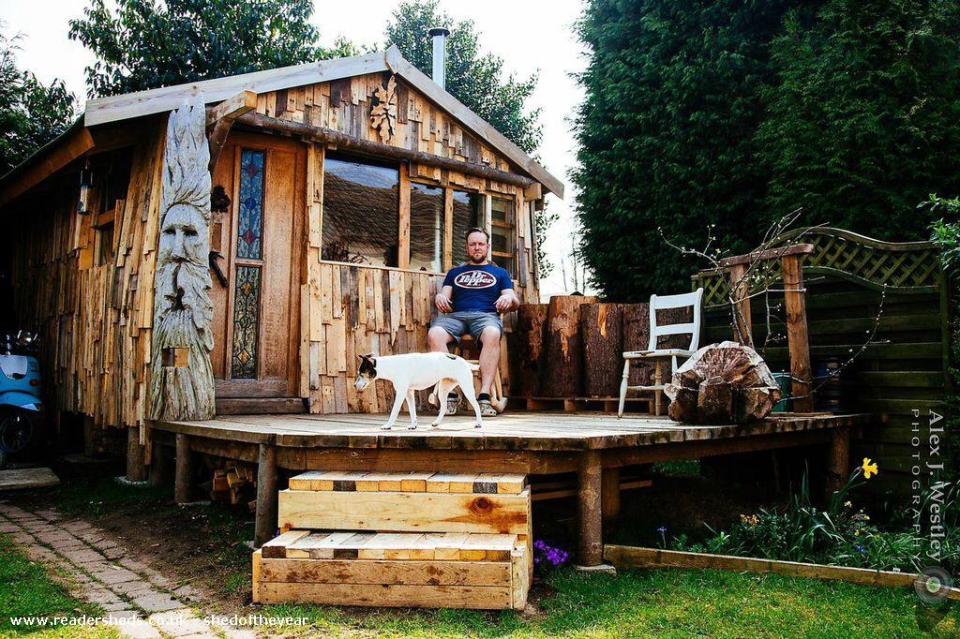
869,468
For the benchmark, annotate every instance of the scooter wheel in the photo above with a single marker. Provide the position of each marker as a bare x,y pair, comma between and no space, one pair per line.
16,433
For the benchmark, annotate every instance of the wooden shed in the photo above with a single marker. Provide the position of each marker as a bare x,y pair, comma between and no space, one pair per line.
332,195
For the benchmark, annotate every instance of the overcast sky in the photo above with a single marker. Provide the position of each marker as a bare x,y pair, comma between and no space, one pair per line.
529,36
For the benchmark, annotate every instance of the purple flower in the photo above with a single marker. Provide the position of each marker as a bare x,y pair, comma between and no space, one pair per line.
662,529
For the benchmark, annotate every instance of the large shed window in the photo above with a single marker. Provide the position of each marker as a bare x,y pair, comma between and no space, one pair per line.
467,213
426,227
360,212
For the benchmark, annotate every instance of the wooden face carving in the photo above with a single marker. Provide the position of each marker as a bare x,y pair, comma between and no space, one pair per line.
183,236
183,312
183,258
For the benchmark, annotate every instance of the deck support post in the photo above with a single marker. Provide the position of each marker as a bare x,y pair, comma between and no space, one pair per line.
159,474
798,338
590,551
266,522
838,463
183,471
136,469
610,493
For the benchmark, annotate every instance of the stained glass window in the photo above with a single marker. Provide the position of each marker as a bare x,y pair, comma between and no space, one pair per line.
246,315
250,226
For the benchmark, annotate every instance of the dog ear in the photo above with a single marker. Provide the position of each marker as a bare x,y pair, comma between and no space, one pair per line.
368,356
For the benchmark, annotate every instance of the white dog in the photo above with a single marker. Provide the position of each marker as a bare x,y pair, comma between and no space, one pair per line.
417,371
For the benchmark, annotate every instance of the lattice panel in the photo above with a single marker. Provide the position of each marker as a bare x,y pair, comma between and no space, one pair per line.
914,266
879,264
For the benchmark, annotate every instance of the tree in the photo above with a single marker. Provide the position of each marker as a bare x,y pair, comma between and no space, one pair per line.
147,45
732,113
476,79
666,134
863,117
31,113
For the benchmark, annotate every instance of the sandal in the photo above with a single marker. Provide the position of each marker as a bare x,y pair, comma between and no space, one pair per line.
487,409
452,404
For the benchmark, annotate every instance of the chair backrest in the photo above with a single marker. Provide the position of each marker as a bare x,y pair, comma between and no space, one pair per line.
660,302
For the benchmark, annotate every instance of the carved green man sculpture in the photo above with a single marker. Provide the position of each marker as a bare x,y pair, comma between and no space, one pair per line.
182,386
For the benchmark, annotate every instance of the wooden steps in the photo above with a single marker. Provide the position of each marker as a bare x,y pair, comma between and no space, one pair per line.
433,540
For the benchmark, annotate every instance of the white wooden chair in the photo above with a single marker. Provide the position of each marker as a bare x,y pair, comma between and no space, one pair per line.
659,355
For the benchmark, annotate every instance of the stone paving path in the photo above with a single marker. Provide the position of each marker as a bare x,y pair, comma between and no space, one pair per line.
138,600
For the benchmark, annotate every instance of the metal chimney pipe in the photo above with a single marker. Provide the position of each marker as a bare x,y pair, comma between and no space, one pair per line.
439,35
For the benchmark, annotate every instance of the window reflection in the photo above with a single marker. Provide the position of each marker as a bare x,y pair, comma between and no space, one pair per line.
360,212
426,227
467,213
502,234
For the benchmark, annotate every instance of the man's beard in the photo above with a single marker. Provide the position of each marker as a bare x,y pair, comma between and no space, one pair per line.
477,260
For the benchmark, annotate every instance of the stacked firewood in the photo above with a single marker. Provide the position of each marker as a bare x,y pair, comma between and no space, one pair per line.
233,483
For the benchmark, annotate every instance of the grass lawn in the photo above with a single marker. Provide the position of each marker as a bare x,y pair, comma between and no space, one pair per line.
200,545
669,603
27,590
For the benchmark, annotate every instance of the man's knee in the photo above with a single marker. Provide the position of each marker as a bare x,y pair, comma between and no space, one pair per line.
438,338
490,336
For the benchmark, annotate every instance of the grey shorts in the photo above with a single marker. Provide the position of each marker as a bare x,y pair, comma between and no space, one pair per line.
457,324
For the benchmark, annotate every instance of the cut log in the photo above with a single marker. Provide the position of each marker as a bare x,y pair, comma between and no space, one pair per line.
526,353
601,329
636,337
723,383
562,372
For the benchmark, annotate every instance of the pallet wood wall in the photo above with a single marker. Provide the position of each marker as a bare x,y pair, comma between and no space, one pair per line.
901,371
344,106
349,310
383,311
95,319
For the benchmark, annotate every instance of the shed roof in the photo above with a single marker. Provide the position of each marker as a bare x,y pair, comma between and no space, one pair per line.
133,105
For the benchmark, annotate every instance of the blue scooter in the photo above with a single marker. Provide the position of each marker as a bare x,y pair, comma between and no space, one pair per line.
21,408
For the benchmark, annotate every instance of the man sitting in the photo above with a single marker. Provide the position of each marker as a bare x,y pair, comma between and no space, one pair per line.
472,297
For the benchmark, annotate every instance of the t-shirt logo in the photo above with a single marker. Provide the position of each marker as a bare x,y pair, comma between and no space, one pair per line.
475,279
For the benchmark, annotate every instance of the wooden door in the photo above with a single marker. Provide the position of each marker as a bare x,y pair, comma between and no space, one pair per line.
258,311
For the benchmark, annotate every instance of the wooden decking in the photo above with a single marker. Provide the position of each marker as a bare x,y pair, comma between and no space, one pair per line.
595,446
510,431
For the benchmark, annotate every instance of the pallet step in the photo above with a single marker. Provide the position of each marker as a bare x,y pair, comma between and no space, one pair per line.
383,581
428,482
395,511
304,544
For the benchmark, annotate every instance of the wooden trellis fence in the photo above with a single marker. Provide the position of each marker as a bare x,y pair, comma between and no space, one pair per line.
877,310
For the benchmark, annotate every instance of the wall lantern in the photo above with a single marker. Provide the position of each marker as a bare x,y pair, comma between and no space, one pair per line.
86,181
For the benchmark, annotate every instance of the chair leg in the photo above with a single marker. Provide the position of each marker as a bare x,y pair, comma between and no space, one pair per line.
623,387
498,401
657,380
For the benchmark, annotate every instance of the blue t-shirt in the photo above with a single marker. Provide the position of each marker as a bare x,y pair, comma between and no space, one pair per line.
476,288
